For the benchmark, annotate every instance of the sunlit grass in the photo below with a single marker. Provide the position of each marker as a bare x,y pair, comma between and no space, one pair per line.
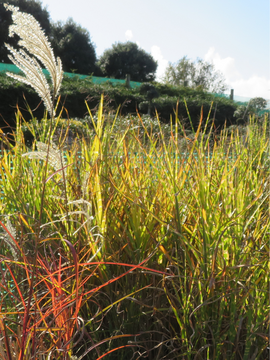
136,240
143,247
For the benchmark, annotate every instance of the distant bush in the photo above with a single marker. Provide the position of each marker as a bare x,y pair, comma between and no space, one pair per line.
222,110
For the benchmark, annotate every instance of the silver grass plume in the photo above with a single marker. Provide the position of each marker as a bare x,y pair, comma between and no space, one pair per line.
9,240
36,43
55,156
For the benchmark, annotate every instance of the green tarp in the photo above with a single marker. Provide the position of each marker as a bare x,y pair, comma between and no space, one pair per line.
96,80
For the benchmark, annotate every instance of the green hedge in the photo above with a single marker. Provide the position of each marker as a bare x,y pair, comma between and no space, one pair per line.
75,92
221,110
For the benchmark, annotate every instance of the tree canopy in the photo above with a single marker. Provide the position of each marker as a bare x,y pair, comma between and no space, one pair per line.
199,74
128,58
257,104
73,45
254,106
70,41
33,7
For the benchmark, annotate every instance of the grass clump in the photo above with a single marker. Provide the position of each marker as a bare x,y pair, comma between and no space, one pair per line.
125,246
153,252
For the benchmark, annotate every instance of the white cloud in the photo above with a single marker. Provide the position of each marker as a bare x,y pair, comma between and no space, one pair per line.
226,65
254,86
128,35
162,63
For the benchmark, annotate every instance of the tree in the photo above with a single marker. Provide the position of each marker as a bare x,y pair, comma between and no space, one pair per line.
257,104
179,74
198,75
73,45
128,58
33,7
254,106
70,41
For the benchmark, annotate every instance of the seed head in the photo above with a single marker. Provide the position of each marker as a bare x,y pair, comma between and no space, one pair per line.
36,47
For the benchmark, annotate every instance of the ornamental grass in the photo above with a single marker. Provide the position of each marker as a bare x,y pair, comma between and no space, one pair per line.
131,244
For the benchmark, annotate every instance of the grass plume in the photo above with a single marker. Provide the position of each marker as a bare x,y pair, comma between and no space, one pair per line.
35,47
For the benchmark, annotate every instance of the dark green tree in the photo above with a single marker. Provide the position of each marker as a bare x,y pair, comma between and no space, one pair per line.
73,45
33,7
258,104
197,75
254,107
128,58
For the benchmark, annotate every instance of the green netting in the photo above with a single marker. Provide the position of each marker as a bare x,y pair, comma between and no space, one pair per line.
96,80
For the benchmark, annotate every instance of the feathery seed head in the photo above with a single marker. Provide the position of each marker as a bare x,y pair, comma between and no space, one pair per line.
36,43
55,159
9,239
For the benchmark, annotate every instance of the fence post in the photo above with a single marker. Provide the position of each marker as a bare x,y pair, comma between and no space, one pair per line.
128,81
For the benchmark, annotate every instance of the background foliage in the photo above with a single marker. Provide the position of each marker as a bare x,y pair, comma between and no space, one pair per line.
73,45
197,74
128,58
75,92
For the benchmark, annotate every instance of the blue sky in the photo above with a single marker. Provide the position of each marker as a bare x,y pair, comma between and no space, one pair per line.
233,34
